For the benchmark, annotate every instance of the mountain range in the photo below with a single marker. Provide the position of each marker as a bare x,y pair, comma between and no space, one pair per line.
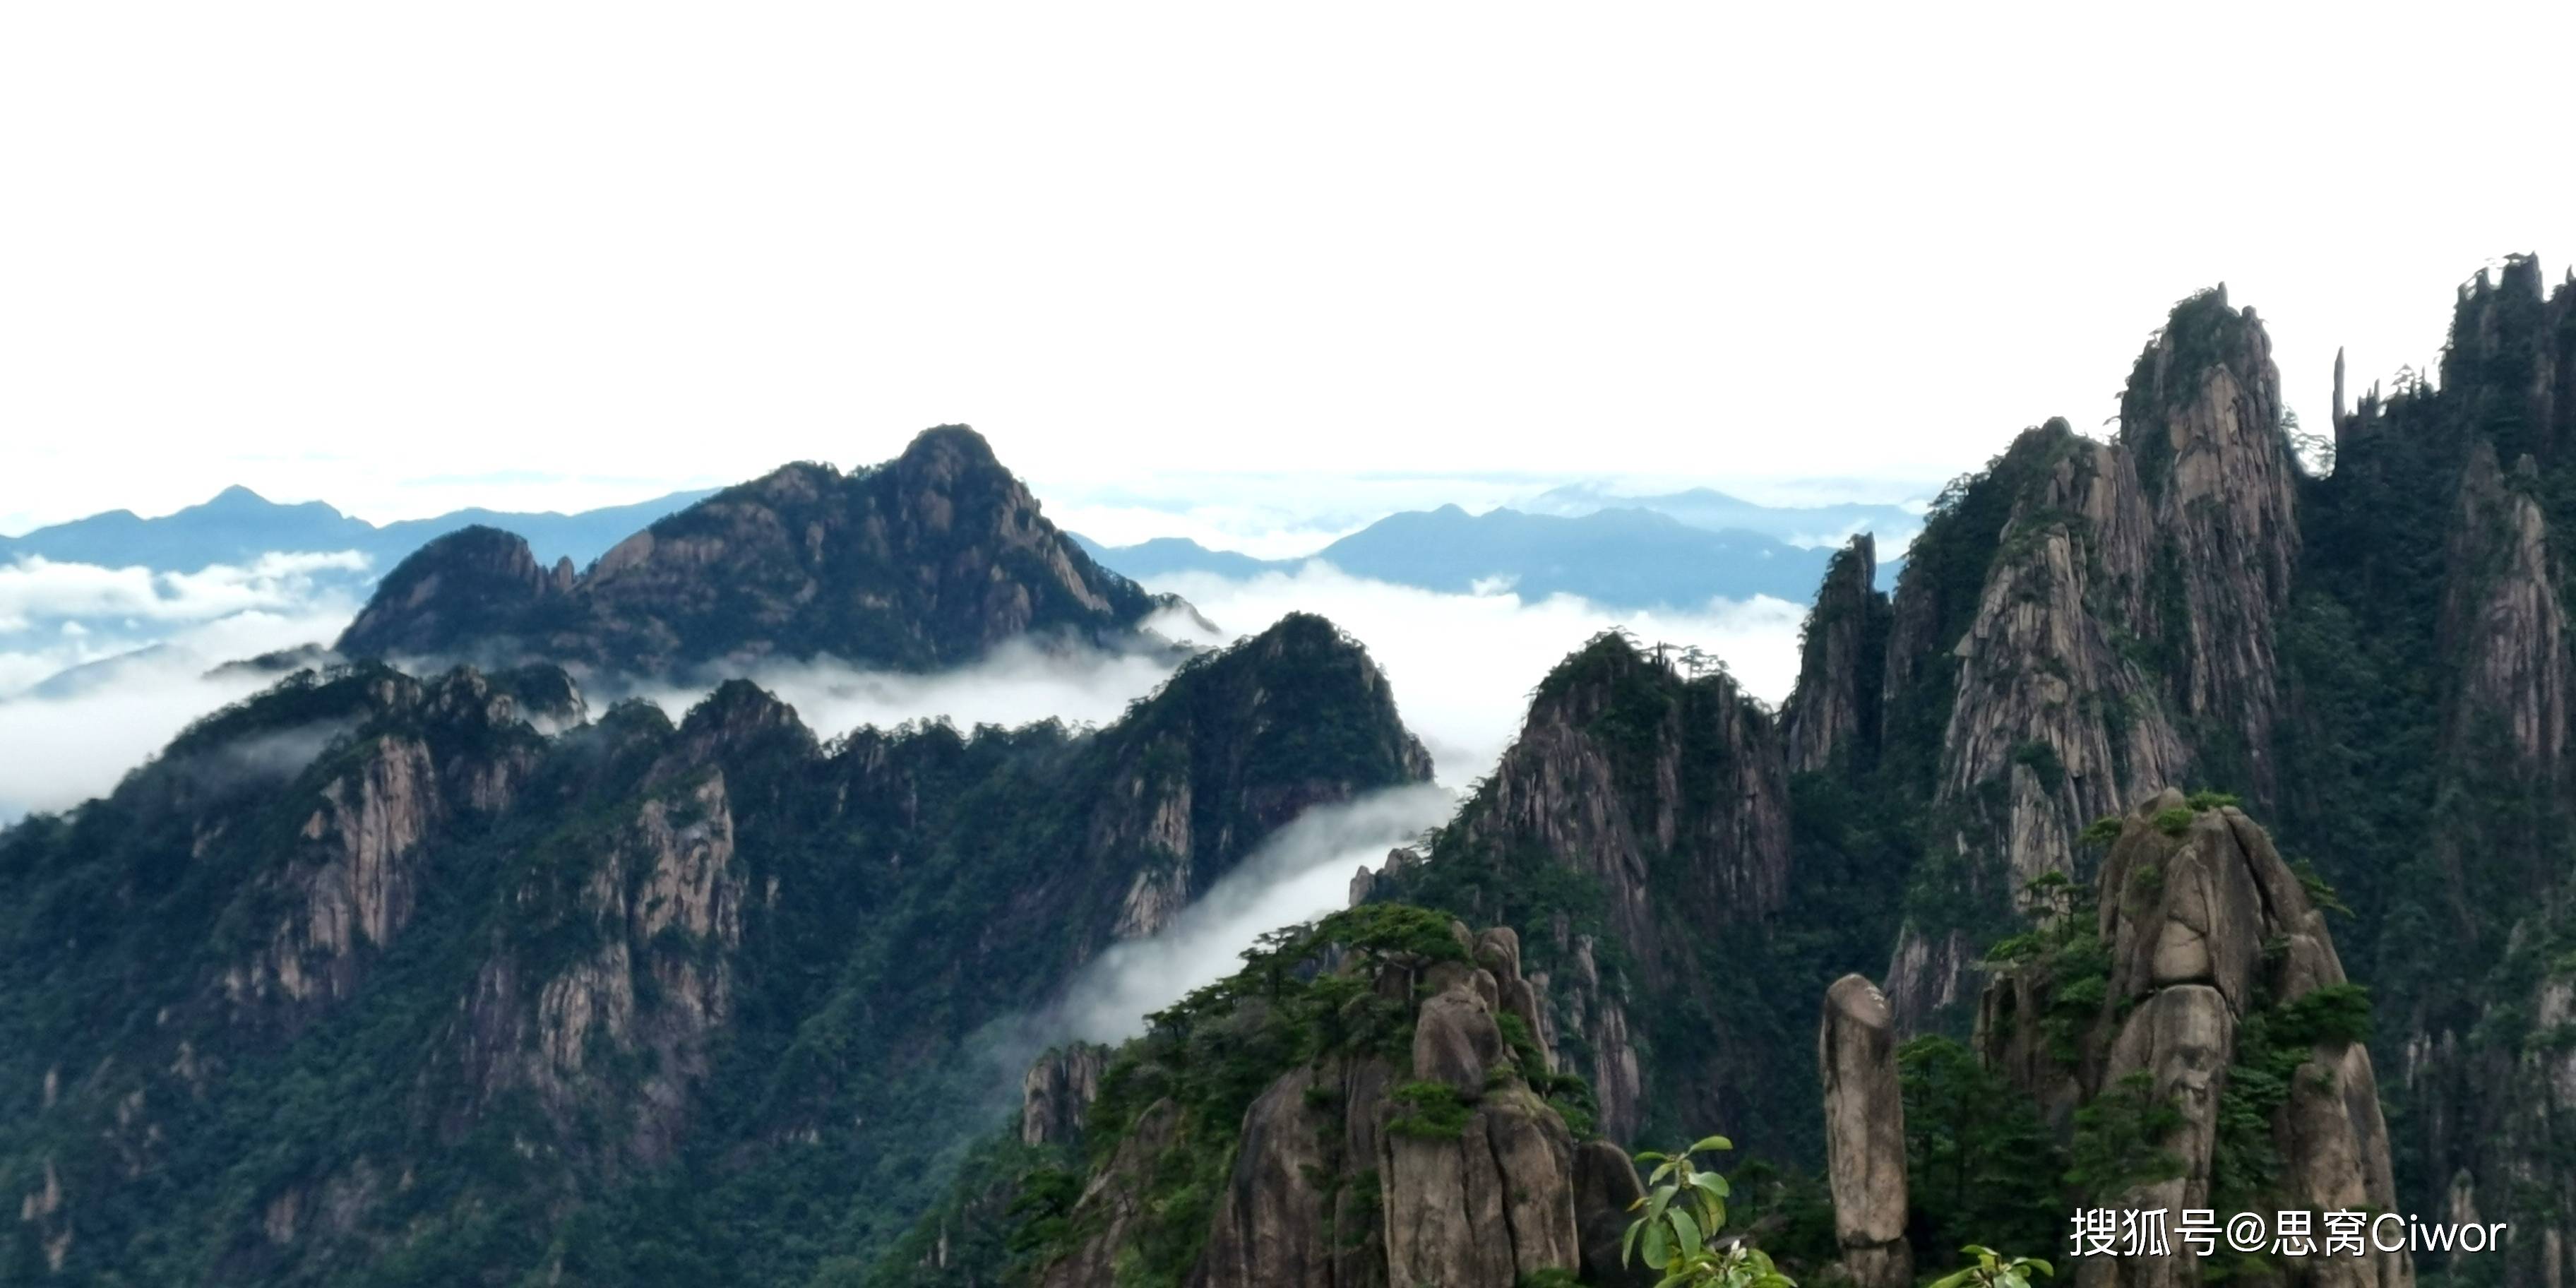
1803,525
1619,558
238,525
2185,830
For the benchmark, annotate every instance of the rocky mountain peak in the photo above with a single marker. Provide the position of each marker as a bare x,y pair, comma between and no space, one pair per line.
1833,715
926,561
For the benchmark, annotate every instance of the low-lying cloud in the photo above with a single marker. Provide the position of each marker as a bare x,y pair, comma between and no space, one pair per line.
86,729
1015,684
1463,665
36,592
1302,872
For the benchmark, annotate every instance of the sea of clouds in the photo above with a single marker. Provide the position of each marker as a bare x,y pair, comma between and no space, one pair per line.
1462,667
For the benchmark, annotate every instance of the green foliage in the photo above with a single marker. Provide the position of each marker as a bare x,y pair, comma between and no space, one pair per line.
2174,821
2334,1013
2119,1139
2042,760
1429,1111
897,890
1988,1268
2101,831
1681,1215
2204,801
1978,1160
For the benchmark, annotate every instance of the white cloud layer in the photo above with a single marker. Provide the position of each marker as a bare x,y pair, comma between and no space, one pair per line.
1463,665
1302,872
1014,684
34,589
58,751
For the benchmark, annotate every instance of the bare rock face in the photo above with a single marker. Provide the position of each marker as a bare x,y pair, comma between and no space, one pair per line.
1865,1134
1606,1190
1057,1092
2202,416
663,904
1340,1182
2047,702
2206,926
1114,1198
1703,781
2503,618
1833,717
365,848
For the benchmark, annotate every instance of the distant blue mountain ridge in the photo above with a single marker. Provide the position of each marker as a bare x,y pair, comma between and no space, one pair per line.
240,525
1631,555
1620,557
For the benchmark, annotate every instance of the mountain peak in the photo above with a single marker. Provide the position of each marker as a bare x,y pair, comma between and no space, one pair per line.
947,448
928,560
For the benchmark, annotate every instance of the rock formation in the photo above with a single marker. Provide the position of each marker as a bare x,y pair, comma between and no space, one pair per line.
2503,620
1345,1175
1058,1091
927,560
2222,970
2202,415
1835,715
1668,792
465,960
1864,1134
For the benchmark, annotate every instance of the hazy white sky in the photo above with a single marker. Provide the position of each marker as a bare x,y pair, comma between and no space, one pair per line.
406,258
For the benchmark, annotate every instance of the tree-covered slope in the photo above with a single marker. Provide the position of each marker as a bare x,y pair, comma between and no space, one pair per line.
372,980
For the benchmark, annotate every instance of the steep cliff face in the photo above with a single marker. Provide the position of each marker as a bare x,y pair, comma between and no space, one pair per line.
2428,663
368,959
2202,415
1640,813
929,559
2227,1041
1834,719
2502,619
1411,1141
2077,625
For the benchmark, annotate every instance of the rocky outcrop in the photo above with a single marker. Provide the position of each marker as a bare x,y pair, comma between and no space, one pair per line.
2208,930
2202,415
928,560
2054,719
2511,360
419,933
2503,621
1833,716
1864,1134
1058,1090
662,902
362,853
2048,704
1345,1175
1668,791
1114,1199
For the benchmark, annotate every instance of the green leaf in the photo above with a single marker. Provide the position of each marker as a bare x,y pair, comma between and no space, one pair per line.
1658,1247
1685,1230
2042,1267
1712,1142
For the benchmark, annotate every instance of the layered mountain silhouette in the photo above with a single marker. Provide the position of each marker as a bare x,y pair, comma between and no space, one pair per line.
1622,558
929,559
2187,804
1806,525
238,525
